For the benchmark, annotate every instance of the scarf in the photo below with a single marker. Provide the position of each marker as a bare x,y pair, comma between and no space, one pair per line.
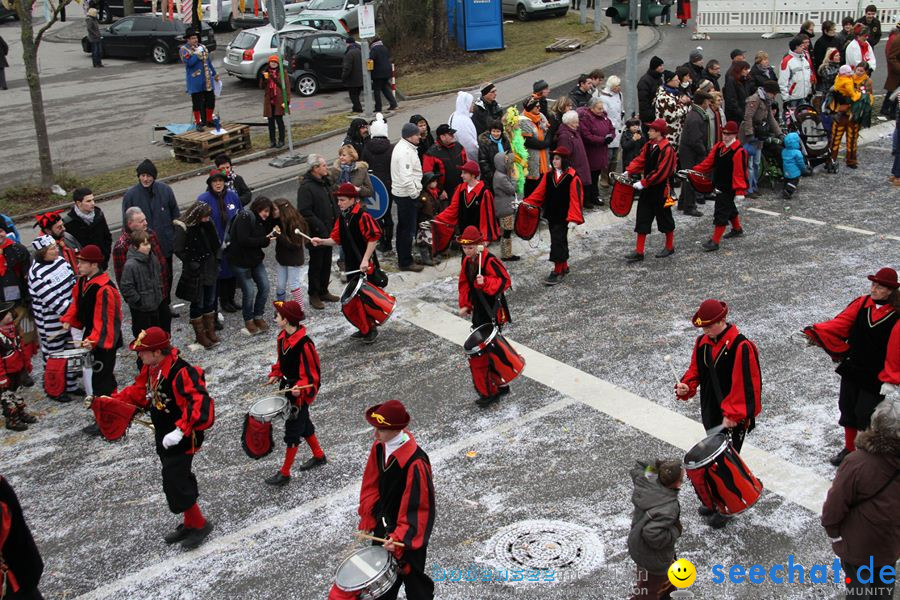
539,134
6,244
229,179
671,90
86,217
344,177
498,141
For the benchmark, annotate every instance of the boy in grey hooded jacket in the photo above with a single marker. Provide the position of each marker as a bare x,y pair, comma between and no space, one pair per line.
504,202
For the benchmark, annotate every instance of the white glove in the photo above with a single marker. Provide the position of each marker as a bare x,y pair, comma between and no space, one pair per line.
888,388
637,185
738,198
173,438
625,174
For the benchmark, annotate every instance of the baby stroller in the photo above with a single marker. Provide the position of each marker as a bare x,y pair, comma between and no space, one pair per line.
806,121
771,168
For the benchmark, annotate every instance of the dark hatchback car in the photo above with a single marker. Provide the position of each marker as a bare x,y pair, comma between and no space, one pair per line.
315,60
139,36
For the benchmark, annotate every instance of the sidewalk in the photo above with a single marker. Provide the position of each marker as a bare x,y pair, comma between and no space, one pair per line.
258,173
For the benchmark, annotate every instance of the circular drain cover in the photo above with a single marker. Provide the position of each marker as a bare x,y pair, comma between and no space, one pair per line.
566,548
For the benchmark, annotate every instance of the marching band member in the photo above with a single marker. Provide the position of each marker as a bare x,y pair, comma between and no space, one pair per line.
472,204
181,410
725,366
396,500
560,193
298,372
96,308
481,295
357,233
657,162
15,365
865,339
727,161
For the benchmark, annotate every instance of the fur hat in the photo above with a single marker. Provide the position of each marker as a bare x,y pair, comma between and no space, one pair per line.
379,128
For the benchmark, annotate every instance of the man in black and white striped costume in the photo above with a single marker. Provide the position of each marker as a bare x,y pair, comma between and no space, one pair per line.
50,283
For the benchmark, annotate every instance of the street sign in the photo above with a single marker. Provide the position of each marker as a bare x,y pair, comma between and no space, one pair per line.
277,18
366,18
377,205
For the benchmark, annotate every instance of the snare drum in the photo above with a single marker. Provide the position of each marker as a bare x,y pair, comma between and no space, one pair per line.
361,296
721,479
269,408
505,361
370,572
77,359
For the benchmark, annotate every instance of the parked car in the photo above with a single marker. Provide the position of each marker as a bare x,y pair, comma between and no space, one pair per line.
527,9
320,21
260,17
247,54
8,13
315,60
110,9
139,36
343,10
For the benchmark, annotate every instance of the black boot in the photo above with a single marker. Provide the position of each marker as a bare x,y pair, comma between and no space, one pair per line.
23,414
278,479
312,463
11,415
195,537
177,534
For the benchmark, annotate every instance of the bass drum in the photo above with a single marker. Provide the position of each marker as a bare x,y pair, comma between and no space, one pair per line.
721,479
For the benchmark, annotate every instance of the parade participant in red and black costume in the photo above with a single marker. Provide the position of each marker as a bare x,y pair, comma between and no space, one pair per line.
728,163
51,223
21,565
657,162
15,365
96,308
865,339
296,371
357,233
396,500
561,193
181,410
725,366
472,204
482,296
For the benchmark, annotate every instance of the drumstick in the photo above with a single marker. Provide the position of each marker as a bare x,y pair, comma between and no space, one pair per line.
668,359
480,249
297,388
351,272
303,234
366,536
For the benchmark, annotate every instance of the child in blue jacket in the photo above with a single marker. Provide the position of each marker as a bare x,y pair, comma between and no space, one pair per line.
793,163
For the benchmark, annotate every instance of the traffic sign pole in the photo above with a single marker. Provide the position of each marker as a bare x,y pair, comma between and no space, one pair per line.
278,18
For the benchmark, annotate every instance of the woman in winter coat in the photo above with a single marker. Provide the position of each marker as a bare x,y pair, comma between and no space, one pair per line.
569,138
377,154
198,248
224,206
860,511
349,169
274,96
491,142
735,90
504,186
535,129
141,284
249,235
50,283
671,105
761,71
461,121
560,106
597,132
357,135
289,251
426,138
611,97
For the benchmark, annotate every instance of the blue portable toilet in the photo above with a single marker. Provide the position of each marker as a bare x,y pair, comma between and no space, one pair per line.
451,19
479,25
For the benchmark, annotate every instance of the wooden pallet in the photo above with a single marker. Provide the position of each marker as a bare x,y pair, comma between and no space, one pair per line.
564,45
203,146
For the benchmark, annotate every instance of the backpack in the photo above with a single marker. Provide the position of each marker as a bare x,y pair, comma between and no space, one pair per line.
229,233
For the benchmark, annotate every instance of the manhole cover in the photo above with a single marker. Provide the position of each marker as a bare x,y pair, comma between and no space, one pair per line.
566,548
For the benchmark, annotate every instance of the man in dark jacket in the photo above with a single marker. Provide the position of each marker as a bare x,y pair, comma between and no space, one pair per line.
581,93
317,205
860,511
86,224
646,89
446,157
712,72
694,146
352,73
486,109
828,40
870,20
377,153
382,71
694,65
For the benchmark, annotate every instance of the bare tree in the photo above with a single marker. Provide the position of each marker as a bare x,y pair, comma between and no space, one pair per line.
439,25
31,42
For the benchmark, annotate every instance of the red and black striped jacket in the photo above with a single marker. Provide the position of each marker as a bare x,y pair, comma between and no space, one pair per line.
298,364
398,496
14,356
97,308
175,392
496,282
728,165
659,159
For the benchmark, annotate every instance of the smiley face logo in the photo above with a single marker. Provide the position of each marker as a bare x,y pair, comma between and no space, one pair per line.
682,573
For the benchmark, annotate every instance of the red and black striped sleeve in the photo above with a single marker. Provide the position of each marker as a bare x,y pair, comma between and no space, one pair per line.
490,229
336,232
369,227
664,168
136,393
465,300
107,318
368,493
496,277
743,401
194,401
415,518
576,197
71,314
832,335
310,371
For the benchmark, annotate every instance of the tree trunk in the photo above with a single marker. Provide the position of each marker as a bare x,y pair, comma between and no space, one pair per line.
439,23
32,76
128,7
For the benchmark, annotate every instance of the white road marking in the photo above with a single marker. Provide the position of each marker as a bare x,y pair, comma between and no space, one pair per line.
805,220
765,212
787,480
892,237
854,229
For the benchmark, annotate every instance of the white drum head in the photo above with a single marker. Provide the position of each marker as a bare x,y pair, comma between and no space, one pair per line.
265,409
362,568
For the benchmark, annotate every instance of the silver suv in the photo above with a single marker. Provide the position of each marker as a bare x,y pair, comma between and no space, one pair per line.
526,9
247,54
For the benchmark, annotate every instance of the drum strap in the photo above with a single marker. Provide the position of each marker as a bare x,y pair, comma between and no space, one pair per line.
881,489
484,303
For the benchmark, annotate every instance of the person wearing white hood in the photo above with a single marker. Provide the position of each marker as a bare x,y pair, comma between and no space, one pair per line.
461,121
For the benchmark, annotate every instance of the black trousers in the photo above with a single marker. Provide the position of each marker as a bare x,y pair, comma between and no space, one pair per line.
354,98
299,427
857,404
559,242
725,209
103,379
144,319
416,582
383,86
226,288
650,206
202,102
688,199
179,482
276,120
319,270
